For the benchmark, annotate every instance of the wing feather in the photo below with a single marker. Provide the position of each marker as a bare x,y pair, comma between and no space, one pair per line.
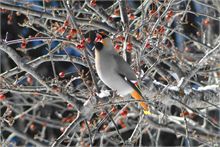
136,88
123,68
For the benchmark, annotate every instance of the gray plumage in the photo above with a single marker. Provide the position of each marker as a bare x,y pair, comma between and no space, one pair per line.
111,69
124,68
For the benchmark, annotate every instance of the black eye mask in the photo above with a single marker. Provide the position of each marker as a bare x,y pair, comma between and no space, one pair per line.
99,46
104,36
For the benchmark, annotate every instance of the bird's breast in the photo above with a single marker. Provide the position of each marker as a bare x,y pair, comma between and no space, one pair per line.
105,66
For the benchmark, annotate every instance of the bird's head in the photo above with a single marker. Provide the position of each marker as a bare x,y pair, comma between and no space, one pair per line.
102,41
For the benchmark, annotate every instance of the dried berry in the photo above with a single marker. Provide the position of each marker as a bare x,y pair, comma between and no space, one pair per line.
62,74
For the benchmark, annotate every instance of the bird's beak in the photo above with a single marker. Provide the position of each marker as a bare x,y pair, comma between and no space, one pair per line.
103,41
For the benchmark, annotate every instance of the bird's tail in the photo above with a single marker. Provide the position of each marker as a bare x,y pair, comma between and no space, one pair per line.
144,105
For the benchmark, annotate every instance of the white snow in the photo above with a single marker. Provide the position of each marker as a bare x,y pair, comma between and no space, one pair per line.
208,87
103,93
170,87
174,75
187,91
174,88
180,82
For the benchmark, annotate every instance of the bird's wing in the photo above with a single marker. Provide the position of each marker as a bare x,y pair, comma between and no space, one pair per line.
123,68
135,87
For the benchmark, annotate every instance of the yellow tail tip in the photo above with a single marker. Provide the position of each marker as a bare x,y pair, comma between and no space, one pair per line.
147,112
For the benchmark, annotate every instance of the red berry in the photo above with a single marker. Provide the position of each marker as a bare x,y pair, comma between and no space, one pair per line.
30,80
62,129
161,29
136,83
69,37
73,32
117,47
62,29
69,106
120,38
117,12
114,109
82,41
169,15
129,47
88,40
151,12
2,97
110,19
170,12
93,3
131,16
121,123
80,46
23,45
206,22
68,119
66,23
62,74
147,45
102,114
185,113
32,127
124,113
98,38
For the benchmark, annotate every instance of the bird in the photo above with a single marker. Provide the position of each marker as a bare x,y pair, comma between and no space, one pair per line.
115,72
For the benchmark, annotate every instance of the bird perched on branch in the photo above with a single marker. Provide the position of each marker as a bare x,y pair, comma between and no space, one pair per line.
115,72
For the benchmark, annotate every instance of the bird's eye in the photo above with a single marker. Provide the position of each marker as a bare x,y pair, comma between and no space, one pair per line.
99,46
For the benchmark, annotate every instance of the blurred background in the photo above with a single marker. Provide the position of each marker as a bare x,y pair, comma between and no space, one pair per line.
163,40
